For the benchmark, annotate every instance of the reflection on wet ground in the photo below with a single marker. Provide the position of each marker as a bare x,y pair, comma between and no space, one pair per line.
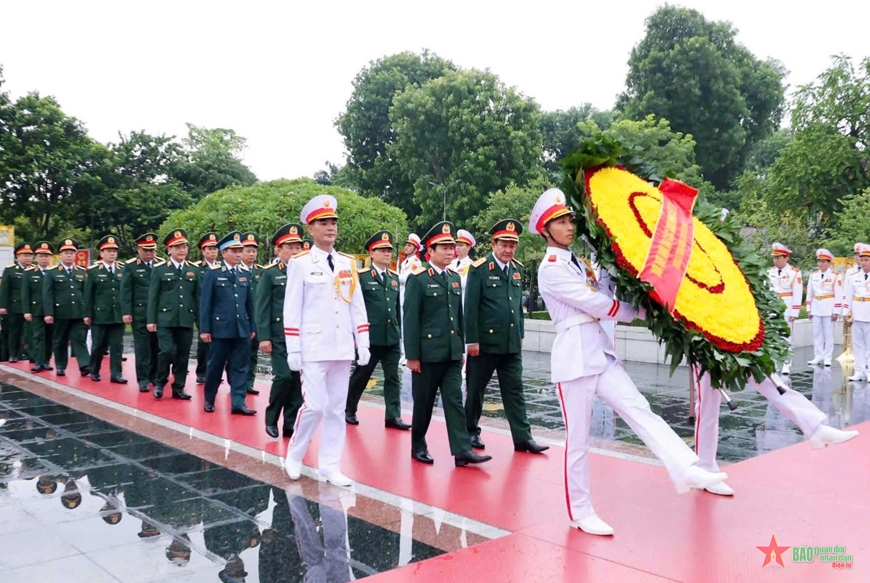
83,500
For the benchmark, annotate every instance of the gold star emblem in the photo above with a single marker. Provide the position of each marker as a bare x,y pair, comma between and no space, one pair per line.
178,233
385,237
445,229
236,237
149,238
294,231
111,240
511,227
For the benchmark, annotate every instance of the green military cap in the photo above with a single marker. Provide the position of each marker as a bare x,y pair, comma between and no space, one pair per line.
107,242
147,241
507,229
306,244
289,233
250,240
232,240
68,245
23,248
208,240
44,247
380,240
175,237
443,232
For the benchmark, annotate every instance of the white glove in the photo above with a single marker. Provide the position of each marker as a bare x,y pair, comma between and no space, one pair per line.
364,356
641,313
294,361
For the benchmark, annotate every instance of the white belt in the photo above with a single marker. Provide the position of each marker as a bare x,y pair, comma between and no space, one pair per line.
572,321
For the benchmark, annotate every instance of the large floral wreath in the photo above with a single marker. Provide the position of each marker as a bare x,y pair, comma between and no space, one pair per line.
724,318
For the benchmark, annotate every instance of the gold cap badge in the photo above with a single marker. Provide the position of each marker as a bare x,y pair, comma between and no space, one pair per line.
511,227
445,229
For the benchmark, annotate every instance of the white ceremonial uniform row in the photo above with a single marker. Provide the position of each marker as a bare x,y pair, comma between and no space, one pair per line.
324,313
792,404
584,364
824,300
856,302
786,282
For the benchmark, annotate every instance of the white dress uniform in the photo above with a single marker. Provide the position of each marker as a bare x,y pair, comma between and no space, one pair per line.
461,266
824,300
788,284
324,315
408,266
584,364
856,303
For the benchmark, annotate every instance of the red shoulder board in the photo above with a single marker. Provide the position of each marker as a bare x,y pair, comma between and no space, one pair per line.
551,258
431,272
374,273
491,265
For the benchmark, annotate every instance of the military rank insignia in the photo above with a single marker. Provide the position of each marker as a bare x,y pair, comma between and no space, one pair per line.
517,275
455,283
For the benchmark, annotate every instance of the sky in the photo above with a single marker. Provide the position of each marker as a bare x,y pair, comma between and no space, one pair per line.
280,73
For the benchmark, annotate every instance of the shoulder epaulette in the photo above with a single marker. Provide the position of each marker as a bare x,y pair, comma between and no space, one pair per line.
260,266
215,266
134,260
479,262
195,263
79,267
393,272
158,262
518,263
419,270
450,271
301,253
11,266
29,268
245,267
363,269
93,265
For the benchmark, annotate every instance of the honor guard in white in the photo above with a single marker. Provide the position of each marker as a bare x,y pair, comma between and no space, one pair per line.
409,265
856,307
324,316
584,364
787,282
464,243
852,269
824,303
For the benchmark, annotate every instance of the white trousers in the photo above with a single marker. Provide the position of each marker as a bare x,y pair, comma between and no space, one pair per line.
792,404
790,334
861,345
324,391
617,389
326,560
823,338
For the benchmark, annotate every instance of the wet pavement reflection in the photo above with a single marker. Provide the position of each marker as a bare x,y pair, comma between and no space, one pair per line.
82,500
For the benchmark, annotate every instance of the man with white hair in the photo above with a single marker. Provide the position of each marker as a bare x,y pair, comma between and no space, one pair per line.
787,282
824,301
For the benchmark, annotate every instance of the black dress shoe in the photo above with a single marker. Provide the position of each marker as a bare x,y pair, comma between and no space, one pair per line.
37,368
181,395
13,359
118,380
61,372
477,442
397,423
253,391
272,431
200,380
96,377
158,392
243,411
530,446
85,371
143,388
208,408
350,419
287,433
469,457
423,457
123,359
47,367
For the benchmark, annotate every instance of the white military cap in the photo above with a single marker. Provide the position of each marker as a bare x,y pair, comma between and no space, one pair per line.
780,250
551,205
322,206
824,254
463,236
415,239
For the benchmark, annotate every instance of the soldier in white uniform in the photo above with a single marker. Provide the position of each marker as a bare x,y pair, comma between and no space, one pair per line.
787,282
584,364
851,270
856,307
464,243
824,302
410,264
324,314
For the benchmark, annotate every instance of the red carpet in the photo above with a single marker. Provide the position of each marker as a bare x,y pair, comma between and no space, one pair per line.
804,497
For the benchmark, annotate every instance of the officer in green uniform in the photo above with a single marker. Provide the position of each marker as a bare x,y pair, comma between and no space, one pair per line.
306,244
40,339
63,303
103,310
251,246
380,287
208,247
286,392
434,347
12,304
494,335
173,305
134,307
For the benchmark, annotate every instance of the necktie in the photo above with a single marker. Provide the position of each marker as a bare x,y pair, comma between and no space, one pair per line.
575,262
384,278
780,272
865,276
329,261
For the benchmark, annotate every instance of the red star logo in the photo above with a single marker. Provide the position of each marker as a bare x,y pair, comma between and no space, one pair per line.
773,551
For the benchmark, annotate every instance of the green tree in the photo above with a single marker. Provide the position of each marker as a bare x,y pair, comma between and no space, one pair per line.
693,73
461,137
851,223
368,131
765,153
211,161
560,131
265,206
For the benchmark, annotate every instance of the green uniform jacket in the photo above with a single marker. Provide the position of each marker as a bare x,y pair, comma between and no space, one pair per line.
256,273
382,307
269,302
493,306
103,294
63,294
173,295
433,316
134,288
31,291
10,289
